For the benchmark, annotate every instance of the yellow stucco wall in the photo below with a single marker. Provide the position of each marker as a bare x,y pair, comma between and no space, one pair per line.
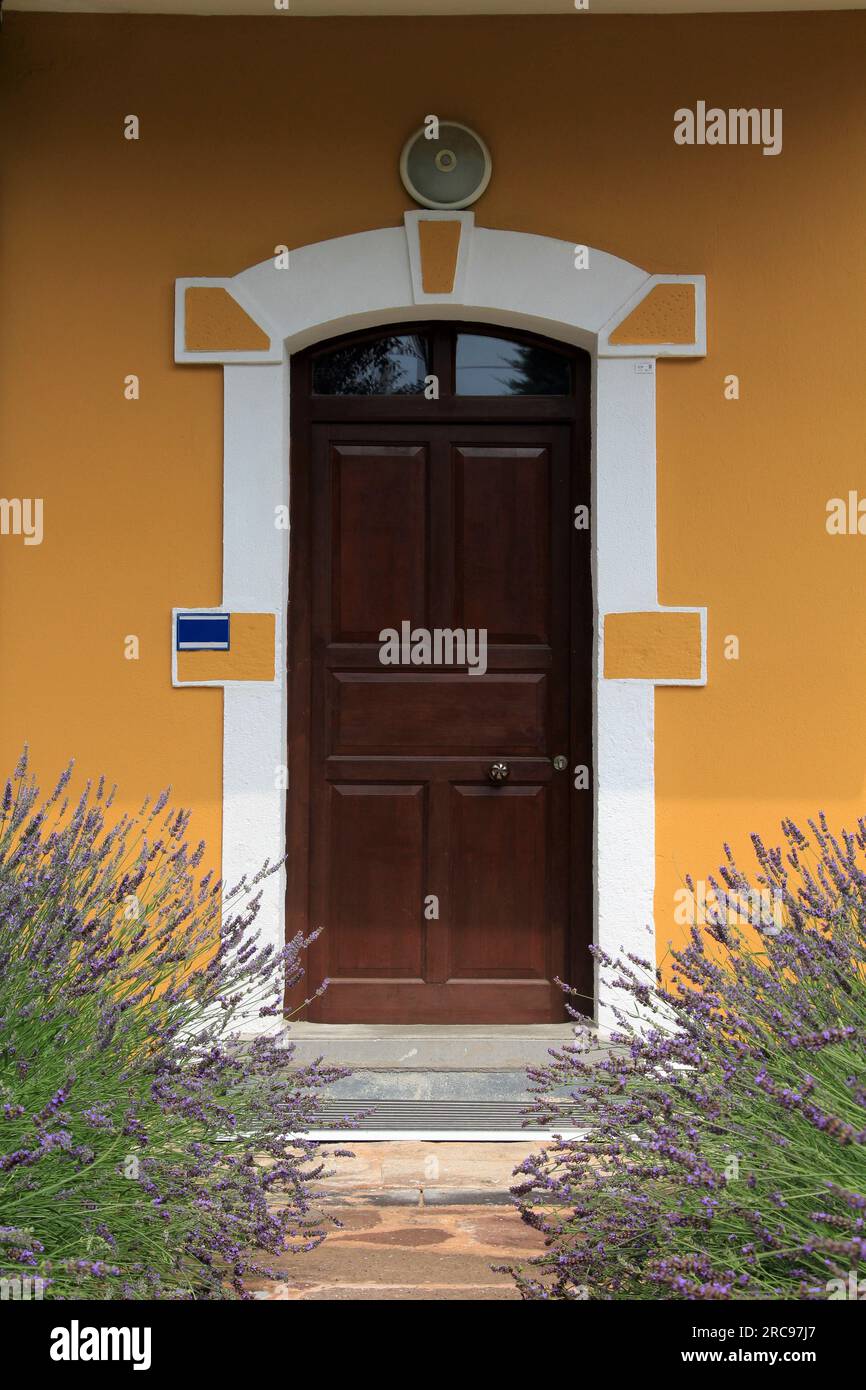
258,132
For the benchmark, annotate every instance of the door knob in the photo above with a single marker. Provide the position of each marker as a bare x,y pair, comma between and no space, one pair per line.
498,773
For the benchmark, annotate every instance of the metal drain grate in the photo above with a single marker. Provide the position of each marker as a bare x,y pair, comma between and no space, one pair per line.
452,1116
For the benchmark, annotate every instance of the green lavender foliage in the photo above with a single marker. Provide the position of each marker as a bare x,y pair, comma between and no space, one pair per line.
724,1151
148,1124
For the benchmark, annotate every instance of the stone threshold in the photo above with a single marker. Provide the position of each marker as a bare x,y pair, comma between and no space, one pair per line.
425,1047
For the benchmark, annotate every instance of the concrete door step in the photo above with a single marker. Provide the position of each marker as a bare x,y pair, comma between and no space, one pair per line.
442,1105
410,1084
429,1047
433,1082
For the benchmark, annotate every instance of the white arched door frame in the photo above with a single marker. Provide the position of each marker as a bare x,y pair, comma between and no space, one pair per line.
575,294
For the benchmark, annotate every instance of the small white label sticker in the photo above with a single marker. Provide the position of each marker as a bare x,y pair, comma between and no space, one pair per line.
645,368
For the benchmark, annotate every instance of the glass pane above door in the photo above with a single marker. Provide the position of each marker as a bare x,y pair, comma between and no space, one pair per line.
488,366
392,366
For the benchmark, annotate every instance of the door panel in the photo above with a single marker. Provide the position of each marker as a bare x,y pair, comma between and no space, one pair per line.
498,881
501,557
377,567
415,715
376,834
441,896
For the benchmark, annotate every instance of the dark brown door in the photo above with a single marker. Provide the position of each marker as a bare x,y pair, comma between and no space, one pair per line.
442,894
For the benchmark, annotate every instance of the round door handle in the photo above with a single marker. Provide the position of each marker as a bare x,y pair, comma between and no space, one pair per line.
498,773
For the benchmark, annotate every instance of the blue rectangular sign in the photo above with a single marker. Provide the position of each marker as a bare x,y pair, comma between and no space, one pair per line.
202,632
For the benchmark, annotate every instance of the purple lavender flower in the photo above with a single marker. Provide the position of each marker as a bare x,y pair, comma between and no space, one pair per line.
722,1154
167,1149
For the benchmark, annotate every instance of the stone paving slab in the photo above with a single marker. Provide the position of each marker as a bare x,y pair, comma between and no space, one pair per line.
419,1254
418,1221
378,1167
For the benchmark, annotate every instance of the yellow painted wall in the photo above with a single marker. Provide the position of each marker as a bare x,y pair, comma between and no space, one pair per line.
256,132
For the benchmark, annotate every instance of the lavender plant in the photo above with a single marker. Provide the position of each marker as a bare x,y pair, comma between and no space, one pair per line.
724,1152
146,1147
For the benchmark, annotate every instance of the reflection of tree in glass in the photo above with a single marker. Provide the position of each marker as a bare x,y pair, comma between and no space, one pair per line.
538,372
380,367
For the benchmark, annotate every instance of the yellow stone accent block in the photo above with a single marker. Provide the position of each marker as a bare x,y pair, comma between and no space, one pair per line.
665,315
250,657
439,243
215,322
652,646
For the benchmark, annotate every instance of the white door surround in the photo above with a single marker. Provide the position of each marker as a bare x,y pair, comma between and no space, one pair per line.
572,293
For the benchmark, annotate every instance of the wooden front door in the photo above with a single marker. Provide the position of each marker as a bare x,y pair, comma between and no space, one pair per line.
441,656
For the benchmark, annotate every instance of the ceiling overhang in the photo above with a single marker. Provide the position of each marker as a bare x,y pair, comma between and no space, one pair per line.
313,8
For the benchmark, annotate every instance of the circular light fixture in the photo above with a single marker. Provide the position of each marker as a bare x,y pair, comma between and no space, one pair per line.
449,172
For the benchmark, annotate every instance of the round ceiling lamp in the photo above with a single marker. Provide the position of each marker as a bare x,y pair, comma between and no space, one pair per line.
449,171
